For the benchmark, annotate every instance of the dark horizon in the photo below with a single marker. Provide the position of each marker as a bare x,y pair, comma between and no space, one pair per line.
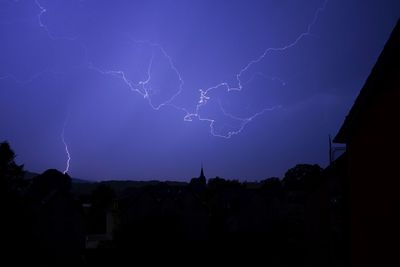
157,179
53,221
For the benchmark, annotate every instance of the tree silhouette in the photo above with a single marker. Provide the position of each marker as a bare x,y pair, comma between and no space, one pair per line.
14,220
49,182
302,177
11,174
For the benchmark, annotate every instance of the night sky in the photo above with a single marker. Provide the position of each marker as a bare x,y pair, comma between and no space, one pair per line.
150,89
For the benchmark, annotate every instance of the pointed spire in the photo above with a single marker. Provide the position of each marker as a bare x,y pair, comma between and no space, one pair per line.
202,172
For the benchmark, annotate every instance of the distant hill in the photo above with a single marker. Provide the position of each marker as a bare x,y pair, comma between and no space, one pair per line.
30,175
80,181
85,187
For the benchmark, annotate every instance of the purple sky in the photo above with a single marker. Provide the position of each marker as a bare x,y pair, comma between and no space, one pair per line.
119,82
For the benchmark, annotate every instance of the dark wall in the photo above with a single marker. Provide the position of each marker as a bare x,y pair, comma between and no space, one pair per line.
373,154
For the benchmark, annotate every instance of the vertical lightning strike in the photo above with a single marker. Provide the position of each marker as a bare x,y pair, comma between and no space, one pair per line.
65,147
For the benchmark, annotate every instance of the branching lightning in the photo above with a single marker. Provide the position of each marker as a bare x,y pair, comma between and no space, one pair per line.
143,87
204,95
283,48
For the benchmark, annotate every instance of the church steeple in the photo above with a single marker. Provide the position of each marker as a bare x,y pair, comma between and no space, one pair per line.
202,172
200,182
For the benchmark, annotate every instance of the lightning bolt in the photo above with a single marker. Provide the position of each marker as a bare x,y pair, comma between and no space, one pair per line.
66,170
42,12
204,95
277,49
143,87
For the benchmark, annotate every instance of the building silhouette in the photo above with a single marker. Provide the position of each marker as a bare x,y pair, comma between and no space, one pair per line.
199,182
371,135
202,177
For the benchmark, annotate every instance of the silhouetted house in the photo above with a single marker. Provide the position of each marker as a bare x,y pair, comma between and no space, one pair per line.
371,133
336,205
